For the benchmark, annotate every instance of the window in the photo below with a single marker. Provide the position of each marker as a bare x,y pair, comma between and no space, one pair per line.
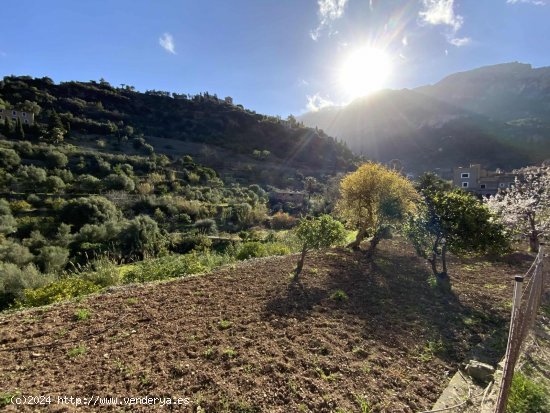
465,175
502,185
26,121
483,186
464,184
13,112
24,114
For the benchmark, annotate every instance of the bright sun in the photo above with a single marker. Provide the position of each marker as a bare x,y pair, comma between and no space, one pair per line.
364,71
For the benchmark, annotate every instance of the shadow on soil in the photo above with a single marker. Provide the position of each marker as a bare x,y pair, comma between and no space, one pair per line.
393,297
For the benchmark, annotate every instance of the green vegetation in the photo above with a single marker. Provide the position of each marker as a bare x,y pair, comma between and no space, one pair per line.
455,221
339,295
526,396
82,314
373,200
315,233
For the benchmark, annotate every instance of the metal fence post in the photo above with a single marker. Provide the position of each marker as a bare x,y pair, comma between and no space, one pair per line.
512,348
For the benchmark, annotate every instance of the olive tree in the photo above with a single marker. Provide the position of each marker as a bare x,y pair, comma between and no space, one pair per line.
316,233
372,200
454,221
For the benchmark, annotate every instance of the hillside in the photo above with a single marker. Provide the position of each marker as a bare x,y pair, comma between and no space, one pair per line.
236,142
243,340
496,116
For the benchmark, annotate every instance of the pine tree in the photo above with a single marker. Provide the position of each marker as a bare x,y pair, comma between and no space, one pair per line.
19,132
7,127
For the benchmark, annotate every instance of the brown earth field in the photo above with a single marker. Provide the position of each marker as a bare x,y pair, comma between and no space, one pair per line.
245,339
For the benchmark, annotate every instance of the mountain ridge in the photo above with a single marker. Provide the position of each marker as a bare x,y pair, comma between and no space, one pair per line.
495,115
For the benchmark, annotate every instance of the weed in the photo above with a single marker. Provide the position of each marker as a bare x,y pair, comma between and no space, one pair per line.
326,377
526,396
224,324
229,353
144,379
132,301
210,353
302,407
431,349
364,404
123,368
6,398
339,295
359,351
77,351
81,314
62,332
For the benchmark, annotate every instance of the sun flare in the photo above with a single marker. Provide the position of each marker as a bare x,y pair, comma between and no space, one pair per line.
364,71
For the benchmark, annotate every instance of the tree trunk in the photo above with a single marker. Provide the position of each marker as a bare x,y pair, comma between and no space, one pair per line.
444,258
361,234
378,236
300,264
533,235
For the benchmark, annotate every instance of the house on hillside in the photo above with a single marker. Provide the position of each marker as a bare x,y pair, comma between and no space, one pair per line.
228,100
481,181
26,118
282,195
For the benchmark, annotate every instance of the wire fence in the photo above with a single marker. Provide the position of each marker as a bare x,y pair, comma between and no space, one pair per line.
524,311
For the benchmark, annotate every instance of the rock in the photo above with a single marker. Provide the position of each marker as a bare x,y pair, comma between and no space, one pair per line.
480,371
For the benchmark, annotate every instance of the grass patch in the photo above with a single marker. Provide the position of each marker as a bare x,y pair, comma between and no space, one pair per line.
81,314
224,324
339,295
526,396
77,351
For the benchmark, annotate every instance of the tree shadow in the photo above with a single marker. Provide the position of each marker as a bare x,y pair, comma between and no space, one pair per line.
393,297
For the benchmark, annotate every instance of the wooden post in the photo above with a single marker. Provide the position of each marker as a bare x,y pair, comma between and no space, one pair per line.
512,349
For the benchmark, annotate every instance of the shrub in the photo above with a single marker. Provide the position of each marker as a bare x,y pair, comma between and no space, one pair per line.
142,238
89,184
56,291
206,226
191,242
282,220
276,248
119,183
92,210
102,271
52,258
526,396
21,205
14,281
55,159
55,184
15,253
251,250
163,268
9,158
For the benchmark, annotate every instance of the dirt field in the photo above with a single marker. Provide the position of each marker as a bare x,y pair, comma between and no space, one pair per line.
243,339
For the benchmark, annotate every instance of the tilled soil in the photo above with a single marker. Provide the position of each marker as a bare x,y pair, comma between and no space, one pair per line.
246,339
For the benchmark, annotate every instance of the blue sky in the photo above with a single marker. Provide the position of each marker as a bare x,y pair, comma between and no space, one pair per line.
273,56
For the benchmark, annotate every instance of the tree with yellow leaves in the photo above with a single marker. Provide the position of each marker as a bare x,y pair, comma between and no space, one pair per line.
372,200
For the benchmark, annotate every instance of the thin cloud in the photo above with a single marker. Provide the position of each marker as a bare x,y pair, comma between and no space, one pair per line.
441,13
166,41
460,41
534,2
329,10
317,102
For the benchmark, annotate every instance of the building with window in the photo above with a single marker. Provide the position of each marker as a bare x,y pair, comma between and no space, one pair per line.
27,118
481,181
